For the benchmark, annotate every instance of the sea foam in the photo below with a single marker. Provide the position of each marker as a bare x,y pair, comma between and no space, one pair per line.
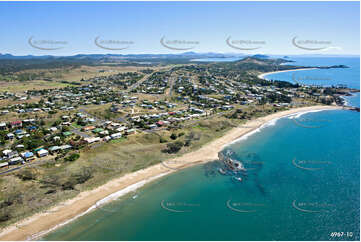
103,201
273,122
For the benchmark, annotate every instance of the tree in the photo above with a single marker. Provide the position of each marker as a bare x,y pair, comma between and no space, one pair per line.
174,147
72,157
27,174
162,140
173,136
4,215
31,143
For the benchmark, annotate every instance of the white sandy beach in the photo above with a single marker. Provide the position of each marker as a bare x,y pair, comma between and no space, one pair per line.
42,223
262,76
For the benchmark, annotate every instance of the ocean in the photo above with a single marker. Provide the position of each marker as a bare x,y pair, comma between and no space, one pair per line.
302,183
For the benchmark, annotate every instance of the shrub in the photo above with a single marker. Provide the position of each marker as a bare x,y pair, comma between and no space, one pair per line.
77,178
27,174
188,142
4,215
174,147
162,140
84,175
72,157
173,136
69,185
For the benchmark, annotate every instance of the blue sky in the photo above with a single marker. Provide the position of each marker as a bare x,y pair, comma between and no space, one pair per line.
207,25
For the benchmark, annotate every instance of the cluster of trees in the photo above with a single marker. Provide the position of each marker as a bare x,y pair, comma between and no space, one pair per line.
72,157
280,98
176,146
8,66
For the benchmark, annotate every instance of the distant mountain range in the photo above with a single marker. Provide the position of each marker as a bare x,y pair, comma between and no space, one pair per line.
116,56
185,55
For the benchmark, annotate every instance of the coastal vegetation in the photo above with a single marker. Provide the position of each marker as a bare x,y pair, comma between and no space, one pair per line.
87,123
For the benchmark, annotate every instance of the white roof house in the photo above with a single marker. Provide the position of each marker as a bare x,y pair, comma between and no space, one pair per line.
55,138
10,135
120,129
6,152
53,129
116,136
16,160
107,138
42,153
92,139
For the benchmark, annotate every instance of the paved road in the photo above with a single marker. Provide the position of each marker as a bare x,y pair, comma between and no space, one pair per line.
135,85
33,163
11,170
172,79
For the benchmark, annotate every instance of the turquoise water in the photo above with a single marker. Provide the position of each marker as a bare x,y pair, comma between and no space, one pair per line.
302,183
324,77
353,100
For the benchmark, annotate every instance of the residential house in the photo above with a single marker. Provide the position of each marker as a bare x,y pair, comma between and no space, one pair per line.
89,128
160,123
16,124
97,130
10,136
121,129
67,133
42,153
53,129
16,160
116,136
107,138
7,152
27,156
54,149
32,128
130,131
4,164
92,139
153,126
65,147
19,147
56,138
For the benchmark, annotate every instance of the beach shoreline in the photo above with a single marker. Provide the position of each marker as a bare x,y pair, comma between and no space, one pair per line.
42,223
262,76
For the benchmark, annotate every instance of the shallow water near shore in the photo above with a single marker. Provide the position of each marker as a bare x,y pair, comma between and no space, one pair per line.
302,183
277,200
